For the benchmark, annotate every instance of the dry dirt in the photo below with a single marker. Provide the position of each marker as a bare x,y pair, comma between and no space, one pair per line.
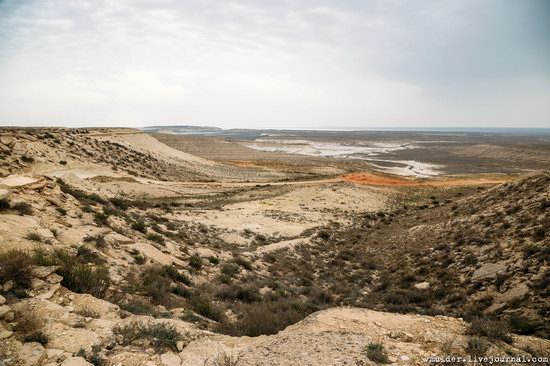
230,254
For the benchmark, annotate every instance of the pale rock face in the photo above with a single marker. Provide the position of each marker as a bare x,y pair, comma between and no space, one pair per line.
7,140
489,270
517,292
31,353
4,309
76,361
54,278
2,300
44,271
422,285
4,333
170,359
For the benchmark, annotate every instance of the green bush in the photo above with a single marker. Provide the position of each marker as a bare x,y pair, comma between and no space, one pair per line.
23,208
38,337
98,239
376,352
139,225
477,347
4,204
101,219
61,211
267,317
139,307
156,284
243,263
31,327
230,269
16,266
34,237
491,329
159,239
87,255
158,335
195,262
246,294
176,275
205,307
82,277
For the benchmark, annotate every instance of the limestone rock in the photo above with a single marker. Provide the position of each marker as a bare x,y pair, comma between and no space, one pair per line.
44,271
7,286
7,140
54,278
517,292
4,309
180,345
37,284
170,359
76,361
488,270
4,333
48,294
422,285
2,300
4,194
19,149
31,353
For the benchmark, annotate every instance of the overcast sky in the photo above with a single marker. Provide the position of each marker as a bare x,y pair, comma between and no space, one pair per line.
275,63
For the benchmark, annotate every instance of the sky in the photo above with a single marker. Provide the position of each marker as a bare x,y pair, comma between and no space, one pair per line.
275,63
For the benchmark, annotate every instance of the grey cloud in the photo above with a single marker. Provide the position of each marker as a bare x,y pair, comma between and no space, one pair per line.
294,60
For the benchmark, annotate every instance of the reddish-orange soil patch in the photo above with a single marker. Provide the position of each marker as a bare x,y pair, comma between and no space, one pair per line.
380,180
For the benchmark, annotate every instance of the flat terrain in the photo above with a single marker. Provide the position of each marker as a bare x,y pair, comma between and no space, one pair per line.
513,151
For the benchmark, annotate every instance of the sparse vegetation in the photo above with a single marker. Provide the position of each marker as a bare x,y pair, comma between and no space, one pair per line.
477,347
224,359
23,208
34,237
31,327
16,267
376,352
491,329
159,335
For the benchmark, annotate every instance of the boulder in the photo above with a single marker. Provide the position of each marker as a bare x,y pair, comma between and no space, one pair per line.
4,333
488,270
2,300
54,278
7,140
170,359
4,194
422,285
4,309
517,292
76,361
44,271
31,353
19,149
